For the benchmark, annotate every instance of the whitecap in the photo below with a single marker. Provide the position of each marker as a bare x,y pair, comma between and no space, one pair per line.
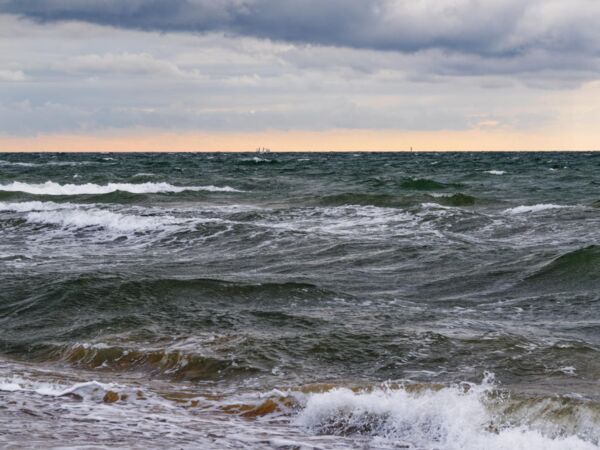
34,206
431,205
72,216
495,172
256,159
534,208
52,188
11,163
370,222
569,370
82,218
143,174
88,389
452,418
49,163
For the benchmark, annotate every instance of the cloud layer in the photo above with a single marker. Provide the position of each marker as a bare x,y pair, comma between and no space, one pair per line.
491,27
224,66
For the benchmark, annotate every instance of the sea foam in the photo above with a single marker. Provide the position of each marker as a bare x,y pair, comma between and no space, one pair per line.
451,418
52,188
48,163
77,216
81,218
34,206
534,208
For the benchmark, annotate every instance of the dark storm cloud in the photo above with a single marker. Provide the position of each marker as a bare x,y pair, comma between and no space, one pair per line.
499,28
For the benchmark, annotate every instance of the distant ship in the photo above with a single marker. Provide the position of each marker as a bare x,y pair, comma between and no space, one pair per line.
263,150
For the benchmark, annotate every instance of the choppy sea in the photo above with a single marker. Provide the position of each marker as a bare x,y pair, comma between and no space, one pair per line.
300,301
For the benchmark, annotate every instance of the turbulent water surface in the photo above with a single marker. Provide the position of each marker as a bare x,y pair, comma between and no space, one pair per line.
300,301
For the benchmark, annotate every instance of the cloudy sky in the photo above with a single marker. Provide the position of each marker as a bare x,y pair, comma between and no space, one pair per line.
299,74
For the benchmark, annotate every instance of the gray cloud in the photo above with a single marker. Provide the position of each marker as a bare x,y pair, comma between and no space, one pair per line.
63,76
12,75
500,28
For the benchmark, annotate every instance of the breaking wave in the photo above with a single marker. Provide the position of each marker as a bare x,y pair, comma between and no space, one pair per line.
52,188
534,208
458,199
75,216
79,218
464,417
34,206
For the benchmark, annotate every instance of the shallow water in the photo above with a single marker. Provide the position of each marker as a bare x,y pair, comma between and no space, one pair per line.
430,301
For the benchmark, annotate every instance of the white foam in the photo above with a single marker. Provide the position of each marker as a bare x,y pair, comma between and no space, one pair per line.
534,208
256,159
431,205
450,419
89,389
49,163
568,370
439,195
116,220
82,218
70,215
34,206
11,163
496,172
371,222
52,188
9,386
143,174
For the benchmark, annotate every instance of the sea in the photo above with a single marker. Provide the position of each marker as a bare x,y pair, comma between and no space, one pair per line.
300,301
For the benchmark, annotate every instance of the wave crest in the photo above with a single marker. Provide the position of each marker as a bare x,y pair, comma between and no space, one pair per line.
576,270
534,208
52,188
464,417
175,365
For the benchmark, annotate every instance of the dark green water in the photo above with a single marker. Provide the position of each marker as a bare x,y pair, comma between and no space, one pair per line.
456,294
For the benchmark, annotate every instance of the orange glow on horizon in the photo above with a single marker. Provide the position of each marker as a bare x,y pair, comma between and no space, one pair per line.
335,140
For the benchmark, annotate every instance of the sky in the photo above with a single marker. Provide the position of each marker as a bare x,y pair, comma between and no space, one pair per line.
219,75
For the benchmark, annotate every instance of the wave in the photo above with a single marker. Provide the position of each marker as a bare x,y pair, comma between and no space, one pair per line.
458,199
466,416
372,222
52,188
394,201
80,218
257,160
90,390
174,365
495,172
143,174
463,417
14,163
70,215
424,184
574,270
113,299
534,208
349,198
49,163
34,206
